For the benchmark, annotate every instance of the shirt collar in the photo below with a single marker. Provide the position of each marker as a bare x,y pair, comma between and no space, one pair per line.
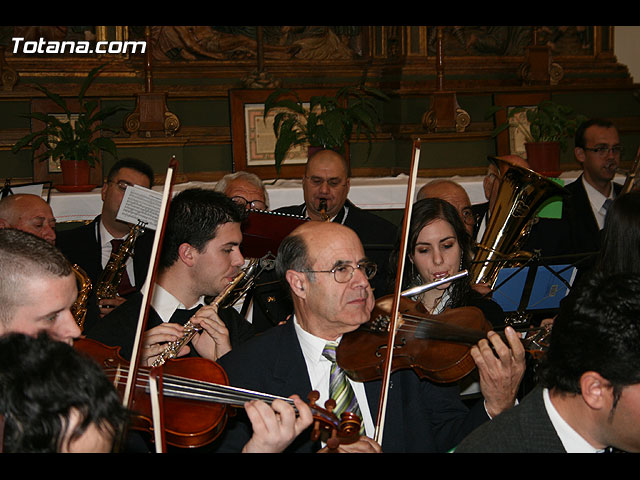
164,303
595,197
571,440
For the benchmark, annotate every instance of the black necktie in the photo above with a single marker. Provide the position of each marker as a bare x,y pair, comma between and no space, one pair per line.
182,315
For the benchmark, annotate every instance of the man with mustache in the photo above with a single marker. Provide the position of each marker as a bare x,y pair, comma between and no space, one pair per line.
325,267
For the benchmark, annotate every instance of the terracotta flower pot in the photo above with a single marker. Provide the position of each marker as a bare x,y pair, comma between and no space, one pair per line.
544,158
75,172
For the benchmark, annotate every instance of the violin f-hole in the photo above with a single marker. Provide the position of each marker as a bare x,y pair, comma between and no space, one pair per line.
382,348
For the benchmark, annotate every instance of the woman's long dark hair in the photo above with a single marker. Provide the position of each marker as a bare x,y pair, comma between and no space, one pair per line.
424,212
620,251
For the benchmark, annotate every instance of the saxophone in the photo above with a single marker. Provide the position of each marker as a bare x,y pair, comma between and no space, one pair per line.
107,286
79,307
235,290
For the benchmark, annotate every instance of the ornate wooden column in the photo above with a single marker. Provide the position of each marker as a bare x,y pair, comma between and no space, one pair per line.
151,116
538,68
260,78
445,115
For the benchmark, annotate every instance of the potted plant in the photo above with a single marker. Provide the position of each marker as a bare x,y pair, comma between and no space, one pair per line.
77,144
546,128
324,122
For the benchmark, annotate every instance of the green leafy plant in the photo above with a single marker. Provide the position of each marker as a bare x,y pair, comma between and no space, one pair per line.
326,122
547,122
72,141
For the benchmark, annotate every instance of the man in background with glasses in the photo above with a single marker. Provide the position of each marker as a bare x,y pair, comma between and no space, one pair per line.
245,189
328,274
326,184
90,246
598,149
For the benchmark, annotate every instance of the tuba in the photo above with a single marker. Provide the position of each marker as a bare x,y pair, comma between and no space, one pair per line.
79,307
521,194
107,286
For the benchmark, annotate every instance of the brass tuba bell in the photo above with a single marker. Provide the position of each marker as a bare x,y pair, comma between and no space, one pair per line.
521,194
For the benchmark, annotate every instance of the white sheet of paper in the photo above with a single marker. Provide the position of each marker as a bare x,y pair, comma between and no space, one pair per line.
140,204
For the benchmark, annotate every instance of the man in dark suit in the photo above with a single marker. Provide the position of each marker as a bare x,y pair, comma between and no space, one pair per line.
327,182
589,396
90,247
200,256
328,275
598,149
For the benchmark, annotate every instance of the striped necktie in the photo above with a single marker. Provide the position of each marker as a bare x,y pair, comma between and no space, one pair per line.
339,387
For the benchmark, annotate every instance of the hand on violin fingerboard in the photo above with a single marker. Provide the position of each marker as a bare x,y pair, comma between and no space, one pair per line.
275,426
500,368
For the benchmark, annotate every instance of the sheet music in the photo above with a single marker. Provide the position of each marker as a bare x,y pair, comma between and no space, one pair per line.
140,204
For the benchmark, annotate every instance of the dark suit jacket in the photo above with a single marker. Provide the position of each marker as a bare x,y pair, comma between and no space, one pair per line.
583,227
525,428
81,246
118,328
378,237
421,416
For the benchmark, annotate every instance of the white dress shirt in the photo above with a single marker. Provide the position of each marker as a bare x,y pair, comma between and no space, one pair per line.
319,369
165,304
597,199
571,440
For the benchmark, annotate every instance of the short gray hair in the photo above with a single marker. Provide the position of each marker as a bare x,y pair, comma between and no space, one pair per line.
249,177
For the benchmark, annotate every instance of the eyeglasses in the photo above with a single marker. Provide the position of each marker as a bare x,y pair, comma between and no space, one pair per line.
344,273
253,204
603,150
122,184
469,217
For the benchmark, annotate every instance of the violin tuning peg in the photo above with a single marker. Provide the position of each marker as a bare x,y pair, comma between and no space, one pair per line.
330,404
313,397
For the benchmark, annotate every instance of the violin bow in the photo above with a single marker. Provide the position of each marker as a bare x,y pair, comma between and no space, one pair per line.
147,289
384,394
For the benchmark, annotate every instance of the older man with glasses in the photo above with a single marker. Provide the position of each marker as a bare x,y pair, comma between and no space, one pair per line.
327,272
326,184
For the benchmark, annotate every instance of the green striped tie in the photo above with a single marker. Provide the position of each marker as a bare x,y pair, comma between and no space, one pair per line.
339,387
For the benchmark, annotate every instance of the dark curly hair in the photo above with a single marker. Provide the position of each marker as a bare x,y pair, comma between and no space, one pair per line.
41,382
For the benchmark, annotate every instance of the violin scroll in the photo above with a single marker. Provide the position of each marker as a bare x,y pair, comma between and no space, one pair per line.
328,428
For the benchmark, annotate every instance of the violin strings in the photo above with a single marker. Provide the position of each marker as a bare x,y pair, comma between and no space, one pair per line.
198,389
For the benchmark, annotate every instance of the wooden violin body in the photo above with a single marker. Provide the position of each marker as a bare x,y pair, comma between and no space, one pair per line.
436,347
197,400
189,422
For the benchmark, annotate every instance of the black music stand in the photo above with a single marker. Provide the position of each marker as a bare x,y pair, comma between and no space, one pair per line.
535,288
9,189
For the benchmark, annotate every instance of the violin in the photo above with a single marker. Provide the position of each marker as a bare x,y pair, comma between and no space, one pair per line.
197,400
436,347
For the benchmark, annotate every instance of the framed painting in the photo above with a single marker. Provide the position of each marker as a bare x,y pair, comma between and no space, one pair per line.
511,141
253,138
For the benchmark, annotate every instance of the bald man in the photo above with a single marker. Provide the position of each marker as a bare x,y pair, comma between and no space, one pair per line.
327,181
29,213
455,194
